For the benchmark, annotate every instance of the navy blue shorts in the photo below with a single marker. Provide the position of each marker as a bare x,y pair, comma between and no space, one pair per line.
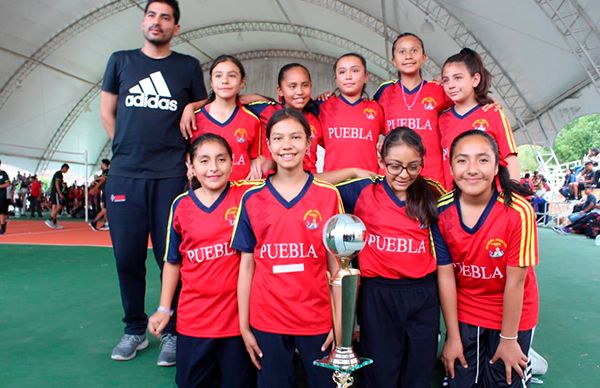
479,346
213,362
399,326
278,361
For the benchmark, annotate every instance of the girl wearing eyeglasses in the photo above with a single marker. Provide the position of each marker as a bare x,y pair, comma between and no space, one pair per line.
398,307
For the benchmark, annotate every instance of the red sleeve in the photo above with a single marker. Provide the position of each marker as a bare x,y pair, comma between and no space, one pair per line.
503,133
522,247
256,145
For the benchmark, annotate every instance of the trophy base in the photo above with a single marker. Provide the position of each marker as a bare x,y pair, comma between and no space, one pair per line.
343,359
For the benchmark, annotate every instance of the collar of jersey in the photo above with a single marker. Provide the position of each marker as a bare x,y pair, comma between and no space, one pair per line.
393,197
214,205
343,99
416,89
281,200
457,115
482,218
220,124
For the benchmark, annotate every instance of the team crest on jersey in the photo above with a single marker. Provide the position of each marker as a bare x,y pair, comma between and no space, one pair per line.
481,124
370,113
496,248
312,219
230,215
240,135
429,103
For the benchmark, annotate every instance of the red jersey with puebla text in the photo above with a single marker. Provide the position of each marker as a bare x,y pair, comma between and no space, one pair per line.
198,239
264,110
398,247
242,131
420,112
350,133
493,122
503,236
289,293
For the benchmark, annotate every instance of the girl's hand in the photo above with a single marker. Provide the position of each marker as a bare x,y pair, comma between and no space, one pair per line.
252,347
187,124
452,351
324,96
328,341
493,105
510,353
157,322
255,169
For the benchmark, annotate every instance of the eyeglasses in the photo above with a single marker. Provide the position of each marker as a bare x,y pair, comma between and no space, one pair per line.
397,169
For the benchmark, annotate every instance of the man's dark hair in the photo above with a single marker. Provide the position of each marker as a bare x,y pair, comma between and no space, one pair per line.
65,165
173,3
106,161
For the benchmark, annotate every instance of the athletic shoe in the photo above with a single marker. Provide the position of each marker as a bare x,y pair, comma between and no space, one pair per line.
92,225
2,231
128,346
560,230
104,227
168,345
50,224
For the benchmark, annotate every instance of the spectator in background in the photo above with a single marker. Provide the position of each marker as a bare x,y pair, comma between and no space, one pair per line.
4,185
569,178
585,177
526,181
100,182
57,197
35,194
581,212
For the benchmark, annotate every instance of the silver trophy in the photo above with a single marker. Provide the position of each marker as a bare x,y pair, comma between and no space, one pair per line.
344,236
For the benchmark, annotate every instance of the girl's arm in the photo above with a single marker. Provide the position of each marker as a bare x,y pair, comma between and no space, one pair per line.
453,348
244,285
508,349
338,176
187,123
170,278
512,164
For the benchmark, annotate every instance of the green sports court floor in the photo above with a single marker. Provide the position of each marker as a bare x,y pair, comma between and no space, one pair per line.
60,316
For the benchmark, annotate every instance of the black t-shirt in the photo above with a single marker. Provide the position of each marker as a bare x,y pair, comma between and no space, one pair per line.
3,179
57,177
152,94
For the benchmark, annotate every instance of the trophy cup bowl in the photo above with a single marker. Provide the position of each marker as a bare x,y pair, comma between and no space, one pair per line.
344,236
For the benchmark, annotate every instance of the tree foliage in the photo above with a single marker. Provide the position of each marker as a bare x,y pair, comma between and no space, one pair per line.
574,141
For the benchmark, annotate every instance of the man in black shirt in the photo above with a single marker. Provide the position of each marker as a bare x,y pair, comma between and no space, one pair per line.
57,197
144,92
4,183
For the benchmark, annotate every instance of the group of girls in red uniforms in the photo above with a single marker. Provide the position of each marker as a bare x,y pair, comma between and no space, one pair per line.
250,257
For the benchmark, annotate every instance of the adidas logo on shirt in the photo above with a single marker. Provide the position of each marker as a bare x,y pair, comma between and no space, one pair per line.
151,92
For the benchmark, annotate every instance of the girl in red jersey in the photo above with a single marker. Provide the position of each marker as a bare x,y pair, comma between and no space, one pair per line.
351,125
467,82
294,91
398,303
283,293
224,116
488,287
414,102
198,253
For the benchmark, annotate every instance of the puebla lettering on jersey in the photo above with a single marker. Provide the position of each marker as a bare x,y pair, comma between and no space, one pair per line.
287,251
211,252
478,271
396,244
349,133
415,123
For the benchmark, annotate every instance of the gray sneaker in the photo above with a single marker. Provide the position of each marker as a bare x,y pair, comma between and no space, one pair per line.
128,346
168,346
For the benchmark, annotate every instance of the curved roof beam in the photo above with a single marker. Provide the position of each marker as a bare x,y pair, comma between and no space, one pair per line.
58,40
503,83
578,32
91,94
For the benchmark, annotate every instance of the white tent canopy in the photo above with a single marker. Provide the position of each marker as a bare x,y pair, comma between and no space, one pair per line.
545,57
